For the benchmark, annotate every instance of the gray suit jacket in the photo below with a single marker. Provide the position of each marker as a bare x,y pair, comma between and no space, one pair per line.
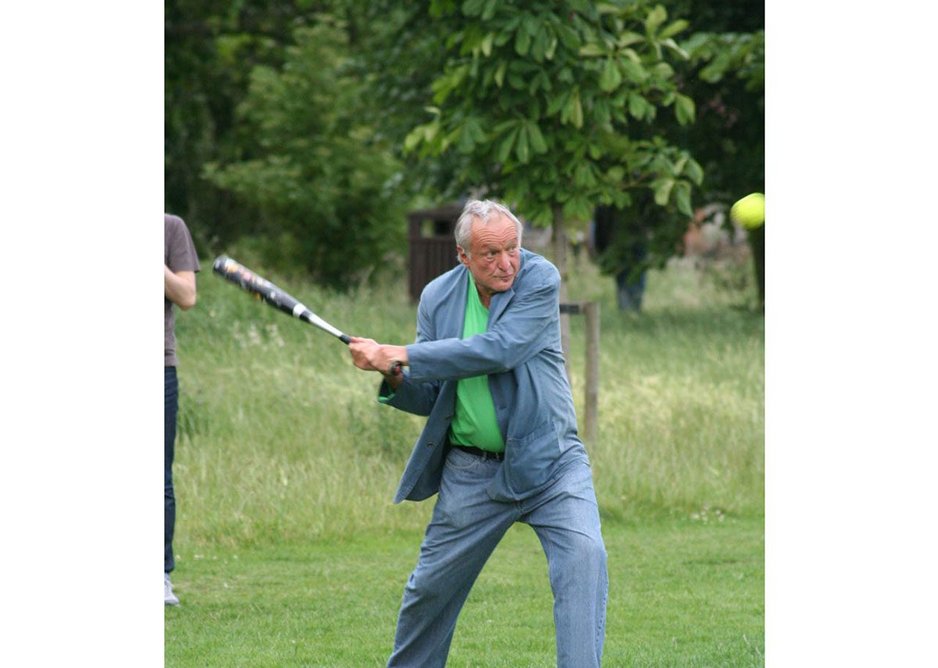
520,352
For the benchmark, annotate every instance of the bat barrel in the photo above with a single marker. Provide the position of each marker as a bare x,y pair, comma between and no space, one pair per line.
263,289
257,285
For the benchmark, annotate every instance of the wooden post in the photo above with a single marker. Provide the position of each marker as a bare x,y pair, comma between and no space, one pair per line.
591,403
591,417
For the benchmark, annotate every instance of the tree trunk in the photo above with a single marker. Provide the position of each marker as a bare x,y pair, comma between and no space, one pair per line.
560,245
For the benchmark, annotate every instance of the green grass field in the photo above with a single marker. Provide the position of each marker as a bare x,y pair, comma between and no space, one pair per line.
290,552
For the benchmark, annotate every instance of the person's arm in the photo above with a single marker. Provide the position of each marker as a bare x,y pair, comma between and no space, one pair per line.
179,287
524,328
396,389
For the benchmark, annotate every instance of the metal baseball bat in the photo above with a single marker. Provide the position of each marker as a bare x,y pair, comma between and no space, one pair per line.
263,289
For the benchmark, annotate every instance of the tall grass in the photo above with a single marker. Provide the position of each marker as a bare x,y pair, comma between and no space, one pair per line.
681,398
281,438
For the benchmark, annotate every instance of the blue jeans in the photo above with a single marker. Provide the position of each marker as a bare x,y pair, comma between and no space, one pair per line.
170,408
464,530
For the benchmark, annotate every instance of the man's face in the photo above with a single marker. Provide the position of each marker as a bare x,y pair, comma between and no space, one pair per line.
494,255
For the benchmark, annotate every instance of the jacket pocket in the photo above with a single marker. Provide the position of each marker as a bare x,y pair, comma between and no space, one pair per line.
530,459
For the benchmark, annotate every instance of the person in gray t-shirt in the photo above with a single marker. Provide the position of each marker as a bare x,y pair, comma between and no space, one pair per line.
180,264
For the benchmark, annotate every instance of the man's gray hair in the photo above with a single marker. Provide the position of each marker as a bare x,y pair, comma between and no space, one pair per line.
484,211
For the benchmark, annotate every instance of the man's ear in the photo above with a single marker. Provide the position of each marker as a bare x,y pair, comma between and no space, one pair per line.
461,254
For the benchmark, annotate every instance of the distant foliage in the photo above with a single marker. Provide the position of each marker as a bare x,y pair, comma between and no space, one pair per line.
323,182
210,48
553,106
726,75
296,129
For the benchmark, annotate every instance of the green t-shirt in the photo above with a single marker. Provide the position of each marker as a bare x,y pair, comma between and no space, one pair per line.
475,422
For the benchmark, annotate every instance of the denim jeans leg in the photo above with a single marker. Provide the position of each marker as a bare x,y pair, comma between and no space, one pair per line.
566,519
465,528
170,409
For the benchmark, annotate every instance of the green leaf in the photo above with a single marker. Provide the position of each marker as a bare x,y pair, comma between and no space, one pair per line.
500,73
583,176
522,42
655,18
487,44
610,78
551,47
504,125
671,44
557,102
631,55
521,147
684,109
489,11
474,127
713,72
472,7
538,47
504,149
633,71
576,109
569,37
601,110
502,37
516,81
628,38
638,106
682,198
662,190
673,29
448,140
592,50
537,139
430,130
578,207
694,171
413,139
663,71
466,141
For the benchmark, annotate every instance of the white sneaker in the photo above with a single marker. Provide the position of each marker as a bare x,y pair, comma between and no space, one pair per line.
169,598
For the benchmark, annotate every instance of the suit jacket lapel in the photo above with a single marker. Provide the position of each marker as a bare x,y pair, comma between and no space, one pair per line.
500,301
455,313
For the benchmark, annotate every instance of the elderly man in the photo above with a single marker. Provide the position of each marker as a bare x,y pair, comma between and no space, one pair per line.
500,444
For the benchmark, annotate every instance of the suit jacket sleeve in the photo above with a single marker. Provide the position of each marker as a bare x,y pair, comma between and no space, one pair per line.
414,396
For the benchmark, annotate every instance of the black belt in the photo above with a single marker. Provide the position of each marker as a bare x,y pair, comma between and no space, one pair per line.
479,452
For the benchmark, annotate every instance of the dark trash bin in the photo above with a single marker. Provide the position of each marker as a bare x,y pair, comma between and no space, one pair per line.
432,248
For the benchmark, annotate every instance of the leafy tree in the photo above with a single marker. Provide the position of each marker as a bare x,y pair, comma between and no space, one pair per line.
211,46
730,136
727,77
552,107
321,181
724,75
